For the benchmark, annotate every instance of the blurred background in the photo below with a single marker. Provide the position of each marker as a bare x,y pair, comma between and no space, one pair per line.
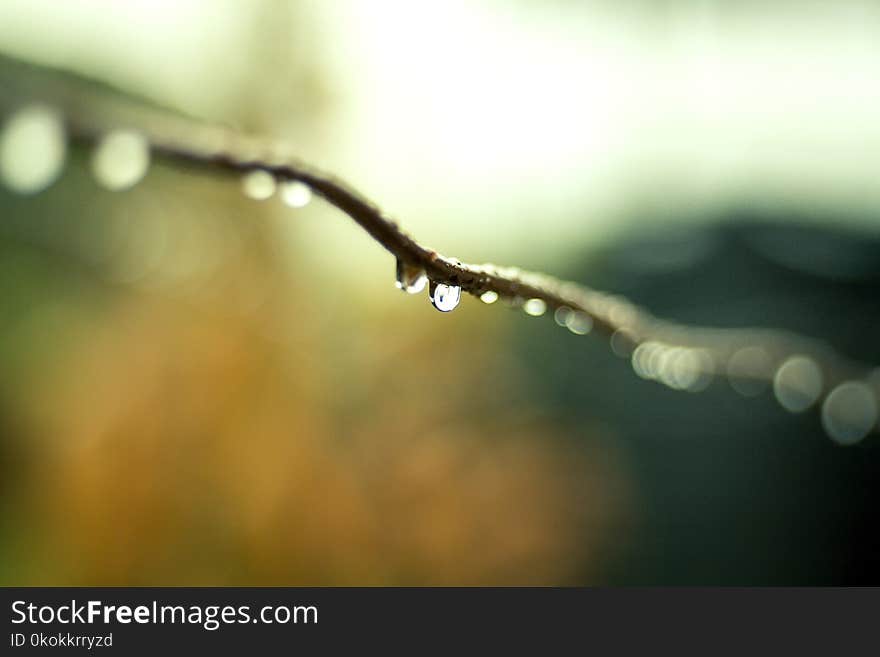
200,388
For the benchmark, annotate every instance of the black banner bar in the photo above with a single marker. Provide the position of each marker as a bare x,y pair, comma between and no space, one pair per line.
149,620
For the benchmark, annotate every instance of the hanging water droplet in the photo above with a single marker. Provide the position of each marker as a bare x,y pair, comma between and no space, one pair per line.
296,194
445,297
578,323
410,278
32,149
258,185
490,296
623,343
643,359
535,307
849,412
120,160
798,383
561,315
687,369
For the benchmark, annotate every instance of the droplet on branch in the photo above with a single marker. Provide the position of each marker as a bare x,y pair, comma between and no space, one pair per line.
849,412
295,193
258,185
120,160
445,297
535,307
33,145
798,383
410,278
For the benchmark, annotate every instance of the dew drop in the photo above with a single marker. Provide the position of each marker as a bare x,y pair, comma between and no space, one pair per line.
688,369
259,185
535,307
560,316
705,370
623,343
849,412
643,359
490,296
579,323
679,369
798,383
445,297
410,278
296,194
32,149
120,160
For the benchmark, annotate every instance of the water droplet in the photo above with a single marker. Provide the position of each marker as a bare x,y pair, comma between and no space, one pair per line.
579,323
535,307
259,185
687,369
32,149
410,278
798,383
680,368
445,297
849,412
296,194
120,159
490,296
560,316
641,359
749,371
705,370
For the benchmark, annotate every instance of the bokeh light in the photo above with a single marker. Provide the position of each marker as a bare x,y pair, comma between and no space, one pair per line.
849,412
121,160
32,149
798,383
259,185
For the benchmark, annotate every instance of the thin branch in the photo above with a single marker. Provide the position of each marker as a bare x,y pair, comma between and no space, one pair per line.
754,354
